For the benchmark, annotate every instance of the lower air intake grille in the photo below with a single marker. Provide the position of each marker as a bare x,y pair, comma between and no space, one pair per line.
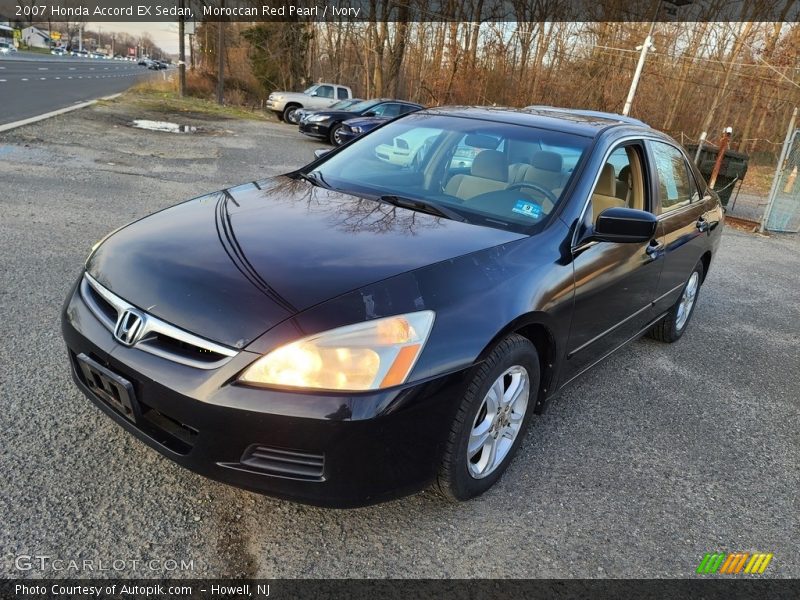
285,463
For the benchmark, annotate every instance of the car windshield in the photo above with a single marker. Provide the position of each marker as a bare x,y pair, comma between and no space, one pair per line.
484,172
343,105
363,105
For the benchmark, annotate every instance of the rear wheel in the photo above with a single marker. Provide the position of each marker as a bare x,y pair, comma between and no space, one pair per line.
492,419
671,327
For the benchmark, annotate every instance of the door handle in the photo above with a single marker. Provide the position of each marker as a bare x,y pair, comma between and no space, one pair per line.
702,225
653,248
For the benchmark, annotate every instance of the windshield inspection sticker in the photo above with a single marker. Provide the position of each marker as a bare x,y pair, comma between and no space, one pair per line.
527,208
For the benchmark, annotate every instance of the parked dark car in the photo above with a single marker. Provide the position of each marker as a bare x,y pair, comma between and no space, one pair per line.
360,329
302,113
353,128
327,124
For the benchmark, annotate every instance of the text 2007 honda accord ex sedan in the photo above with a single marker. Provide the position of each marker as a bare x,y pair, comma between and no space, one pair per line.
377,322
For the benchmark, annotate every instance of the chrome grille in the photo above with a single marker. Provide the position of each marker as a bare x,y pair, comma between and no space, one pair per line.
157,337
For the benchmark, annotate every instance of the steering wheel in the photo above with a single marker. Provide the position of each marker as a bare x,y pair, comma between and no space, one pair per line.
534,186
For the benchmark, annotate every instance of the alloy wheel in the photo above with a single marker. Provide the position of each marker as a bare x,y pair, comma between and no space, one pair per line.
498,422
687,301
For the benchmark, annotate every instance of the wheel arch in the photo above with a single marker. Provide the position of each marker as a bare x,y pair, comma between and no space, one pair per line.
535,327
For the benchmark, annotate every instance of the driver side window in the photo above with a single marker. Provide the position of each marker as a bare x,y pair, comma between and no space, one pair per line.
621,182
324,91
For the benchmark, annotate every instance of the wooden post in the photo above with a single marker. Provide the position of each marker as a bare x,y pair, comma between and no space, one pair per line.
181,52
723,146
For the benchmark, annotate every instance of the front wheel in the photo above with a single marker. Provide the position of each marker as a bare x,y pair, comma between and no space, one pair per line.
290,114
671,327
492,419
336,135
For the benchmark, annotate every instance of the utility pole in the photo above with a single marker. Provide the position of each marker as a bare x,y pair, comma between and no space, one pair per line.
191,51
181,52
221,60
648,43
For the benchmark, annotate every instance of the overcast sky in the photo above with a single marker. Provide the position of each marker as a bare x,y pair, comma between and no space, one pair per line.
165,34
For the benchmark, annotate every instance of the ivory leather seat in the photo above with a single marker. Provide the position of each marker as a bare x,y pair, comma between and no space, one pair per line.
489,173
604,195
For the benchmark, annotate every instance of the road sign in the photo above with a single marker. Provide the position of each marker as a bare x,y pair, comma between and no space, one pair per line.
55,35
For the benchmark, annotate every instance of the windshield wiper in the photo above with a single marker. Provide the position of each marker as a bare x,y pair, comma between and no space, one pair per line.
426,206
314,178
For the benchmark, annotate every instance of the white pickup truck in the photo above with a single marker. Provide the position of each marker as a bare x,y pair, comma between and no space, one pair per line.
319,95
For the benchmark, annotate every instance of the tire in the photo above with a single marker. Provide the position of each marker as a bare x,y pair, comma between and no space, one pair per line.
333,135
288,113
674,324
461,478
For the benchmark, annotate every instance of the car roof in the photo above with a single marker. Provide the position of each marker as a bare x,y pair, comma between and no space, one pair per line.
582,122
393,100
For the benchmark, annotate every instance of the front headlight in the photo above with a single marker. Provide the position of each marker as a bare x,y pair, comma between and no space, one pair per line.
355,129
317,118
366,356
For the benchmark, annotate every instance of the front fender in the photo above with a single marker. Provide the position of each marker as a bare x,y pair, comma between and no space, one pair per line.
477,298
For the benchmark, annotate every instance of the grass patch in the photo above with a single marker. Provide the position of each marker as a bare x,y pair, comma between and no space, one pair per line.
34,50
158,95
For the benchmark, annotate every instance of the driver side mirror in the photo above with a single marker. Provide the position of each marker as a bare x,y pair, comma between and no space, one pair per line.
625,225
320,152
369,113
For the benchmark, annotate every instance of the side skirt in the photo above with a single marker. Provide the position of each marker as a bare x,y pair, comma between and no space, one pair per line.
634,337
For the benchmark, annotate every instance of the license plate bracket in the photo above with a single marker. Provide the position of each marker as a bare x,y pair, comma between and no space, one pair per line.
112,389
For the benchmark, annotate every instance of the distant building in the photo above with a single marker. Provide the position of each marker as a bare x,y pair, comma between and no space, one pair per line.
35,38
6,32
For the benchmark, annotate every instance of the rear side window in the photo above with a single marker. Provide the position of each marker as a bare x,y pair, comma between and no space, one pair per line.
341,93
385,110
676,188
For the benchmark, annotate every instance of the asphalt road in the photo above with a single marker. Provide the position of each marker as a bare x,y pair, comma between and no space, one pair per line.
35,84
661,454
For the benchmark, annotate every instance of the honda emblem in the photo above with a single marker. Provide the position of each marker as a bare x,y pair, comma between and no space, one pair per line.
130,326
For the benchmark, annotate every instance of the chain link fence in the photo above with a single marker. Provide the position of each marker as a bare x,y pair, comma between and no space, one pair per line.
783,206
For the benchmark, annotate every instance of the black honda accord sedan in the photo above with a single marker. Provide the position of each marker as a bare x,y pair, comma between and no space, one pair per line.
327,124
375,323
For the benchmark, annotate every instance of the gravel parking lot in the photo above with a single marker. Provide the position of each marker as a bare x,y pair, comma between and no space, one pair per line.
661,454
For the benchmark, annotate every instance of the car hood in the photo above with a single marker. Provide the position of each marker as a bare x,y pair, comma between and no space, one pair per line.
334,114
290,94
366,121
230,265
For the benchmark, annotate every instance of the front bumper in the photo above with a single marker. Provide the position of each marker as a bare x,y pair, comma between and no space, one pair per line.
275,105
334,450
317,130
